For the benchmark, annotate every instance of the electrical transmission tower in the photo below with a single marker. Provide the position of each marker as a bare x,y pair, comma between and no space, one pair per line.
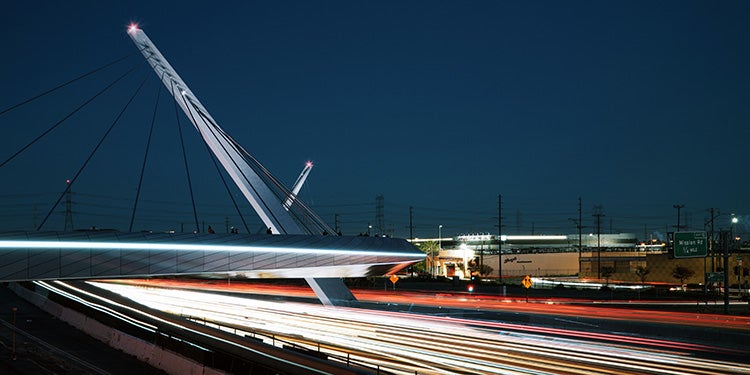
380,214
598,213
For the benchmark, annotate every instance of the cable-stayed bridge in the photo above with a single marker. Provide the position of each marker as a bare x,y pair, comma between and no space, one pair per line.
297,243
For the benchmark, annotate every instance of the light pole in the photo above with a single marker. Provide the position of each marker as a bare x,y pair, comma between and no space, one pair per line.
735,238
729,241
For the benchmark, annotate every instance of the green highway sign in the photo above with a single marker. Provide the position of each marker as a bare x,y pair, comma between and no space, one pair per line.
690,244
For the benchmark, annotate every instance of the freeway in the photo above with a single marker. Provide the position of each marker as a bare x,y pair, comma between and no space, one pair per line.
427,344
545,306
200,344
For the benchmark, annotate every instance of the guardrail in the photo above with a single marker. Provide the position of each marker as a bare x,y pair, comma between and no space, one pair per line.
315,352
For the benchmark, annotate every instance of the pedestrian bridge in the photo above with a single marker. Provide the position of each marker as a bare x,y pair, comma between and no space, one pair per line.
110,254
296,246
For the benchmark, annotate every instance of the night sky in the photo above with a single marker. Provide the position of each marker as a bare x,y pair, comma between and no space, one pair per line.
635,106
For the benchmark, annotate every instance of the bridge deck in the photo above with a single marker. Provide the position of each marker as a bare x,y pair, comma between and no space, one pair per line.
105,254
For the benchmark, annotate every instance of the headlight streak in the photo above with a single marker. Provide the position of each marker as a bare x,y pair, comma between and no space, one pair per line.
343,336
560,342
388,336
303,367
262,318
103,309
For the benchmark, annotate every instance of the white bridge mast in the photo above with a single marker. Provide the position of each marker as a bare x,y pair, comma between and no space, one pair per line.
274,210
298,184
275,215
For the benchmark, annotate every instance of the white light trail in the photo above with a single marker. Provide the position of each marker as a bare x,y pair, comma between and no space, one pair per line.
408,343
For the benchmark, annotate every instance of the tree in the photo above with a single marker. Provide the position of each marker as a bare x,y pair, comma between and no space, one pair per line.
681,273
430,248
419,268
642,272
485,270
607,272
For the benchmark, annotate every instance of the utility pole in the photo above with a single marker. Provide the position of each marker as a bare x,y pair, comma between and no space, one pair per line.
678,207
336,223
580,226
714,214
598,214
411,222
500,238
725,238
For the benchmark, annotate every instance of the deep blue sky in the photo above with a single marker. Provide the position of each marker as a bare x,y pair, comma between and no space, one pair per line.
633,105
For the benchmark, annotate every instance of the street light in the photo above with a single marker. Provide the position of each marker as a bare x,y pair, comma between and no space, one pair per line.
440,236
736,238
729,241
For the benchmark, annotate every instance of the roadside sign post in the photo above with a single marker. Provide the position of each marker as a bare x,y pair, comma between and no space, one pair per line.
393,279
527,284
691,245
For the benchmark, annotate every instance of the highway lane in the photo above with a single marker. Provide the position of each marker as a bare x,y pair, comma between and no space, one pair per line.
409,343
550,306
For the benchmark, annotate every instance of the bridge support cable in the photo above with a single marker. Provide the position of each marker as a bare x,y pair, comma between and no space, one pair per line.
91,155
213,128
69,115
213,158
145,158
305,217
304,214
226,186
29,100
187,169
